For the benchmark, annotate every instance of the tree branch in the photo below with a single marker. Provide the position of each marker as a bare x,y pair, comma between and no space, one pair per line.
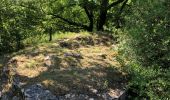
90,17
119,14
114,3
69,21
122,7
87,12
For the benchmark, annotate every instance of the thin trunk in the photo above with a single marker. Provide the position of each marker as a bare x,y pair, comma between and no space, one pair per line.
50,34
18,41
1,25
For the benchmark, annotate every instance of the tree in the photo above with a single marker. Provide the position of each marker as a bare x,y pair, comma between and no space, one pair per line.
85,13
104,7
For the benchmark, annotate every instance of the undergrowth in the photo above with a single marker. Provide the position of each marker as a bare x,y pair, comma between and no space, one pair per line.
151,83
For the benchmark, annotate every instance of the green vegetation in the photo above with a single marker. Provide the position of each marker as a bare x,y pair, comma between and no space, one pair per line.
128,36
57,36
148,83
145,45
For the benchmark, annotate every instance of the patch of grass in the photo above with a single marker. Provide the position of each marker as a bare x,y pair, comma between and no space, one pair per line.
68,35
44,38
31,64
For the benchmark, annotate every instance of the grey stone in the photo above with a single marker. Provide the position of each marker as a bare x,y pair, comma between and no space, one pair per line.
15,98
91,98
0,94
94,91
75,55
5,97
37,92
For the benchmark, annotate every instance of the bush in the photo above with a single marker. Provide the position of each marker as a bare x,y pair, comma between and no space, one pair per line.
147,40
144,46
148,83
18,22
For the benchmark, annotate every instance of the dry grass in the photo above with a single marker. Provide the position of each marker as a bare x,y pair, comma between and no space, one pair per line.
59,70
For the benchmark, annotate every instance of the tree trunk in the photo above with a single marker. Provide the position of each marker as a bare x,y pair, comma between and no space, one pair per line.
90,29
103,15
103,12
101,21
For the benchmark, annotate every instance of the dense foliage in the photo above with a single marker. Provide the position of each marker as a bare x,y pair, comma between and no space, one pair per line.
148,33
145,45
18,21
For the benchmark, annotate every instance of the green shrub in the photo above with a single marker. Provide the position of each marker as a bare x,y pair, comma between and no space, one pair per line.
144,46
148,83
18,22
147,38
